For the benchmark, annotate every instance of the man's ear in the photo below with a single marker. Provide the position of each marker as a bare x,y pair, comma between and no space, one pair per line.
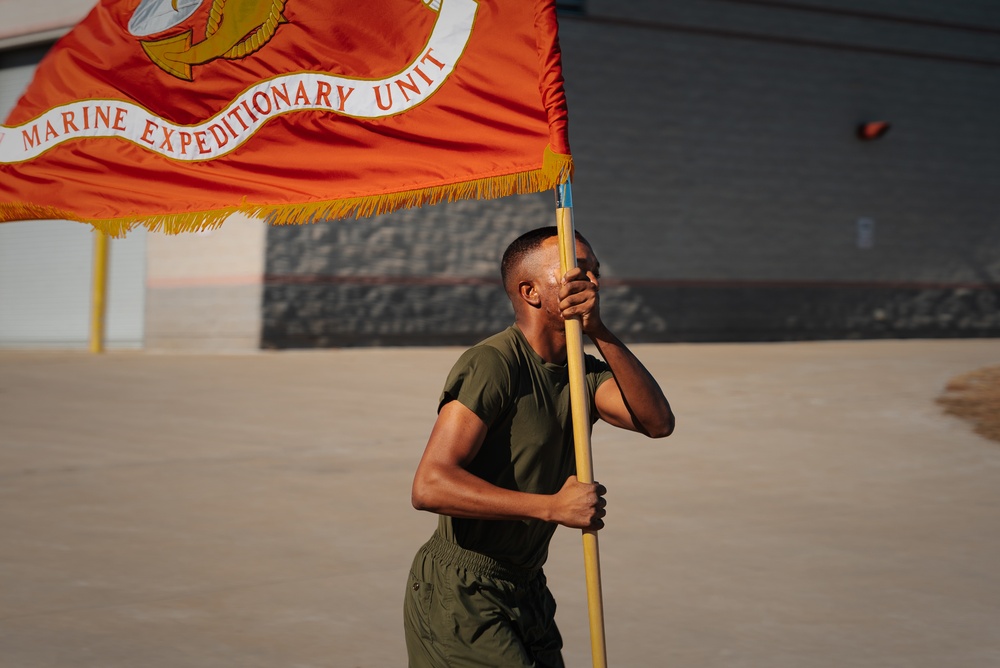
526,290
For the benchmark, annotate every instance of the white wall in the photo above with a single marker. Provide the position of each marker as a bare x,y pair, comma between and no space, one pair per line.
46,266
22,19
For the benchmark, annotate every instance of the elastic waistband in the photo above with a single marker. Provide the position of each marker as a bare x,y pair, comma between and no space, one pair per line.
480,564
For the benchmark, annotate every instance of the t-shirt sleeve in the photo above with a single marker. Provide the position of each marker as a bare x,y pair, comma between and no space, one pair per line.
481,381
597,371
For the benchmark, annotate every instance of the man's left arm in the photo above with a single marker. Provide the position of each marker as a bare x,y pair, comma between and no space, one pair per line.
632,399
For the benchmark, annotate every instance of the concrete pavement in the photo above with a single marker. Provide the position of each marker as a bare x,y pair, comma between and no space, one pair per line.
814,509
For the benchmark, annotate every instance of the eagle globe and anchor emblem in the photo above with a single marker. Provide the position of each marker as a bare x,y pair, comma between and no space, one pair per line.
235,29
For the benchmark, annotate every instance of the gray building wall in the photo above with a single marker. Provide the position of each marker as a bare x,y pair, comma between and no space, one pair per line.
720,180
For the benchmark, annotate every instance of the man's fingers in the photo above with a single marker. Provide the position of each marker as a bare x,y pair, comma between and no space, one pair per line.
589,503
578,304
576,287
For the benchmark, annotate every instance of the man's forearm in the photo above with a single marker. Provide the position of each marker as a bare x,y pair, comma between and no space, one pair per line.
455,492
642,394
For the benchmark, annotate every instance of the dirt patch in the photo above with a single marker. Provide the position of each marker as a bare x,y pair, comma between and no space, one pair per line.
975,396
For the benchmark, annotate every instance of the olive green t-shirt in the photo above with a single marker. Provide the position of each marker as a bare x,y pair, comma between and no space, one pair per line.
524,402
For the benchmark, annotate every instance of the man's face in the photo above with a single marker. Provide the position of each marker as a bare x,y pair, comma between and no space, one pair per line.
550,276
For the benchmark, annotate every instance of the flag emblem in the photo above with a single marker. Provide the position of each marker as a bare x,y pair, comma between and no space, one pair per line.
235,29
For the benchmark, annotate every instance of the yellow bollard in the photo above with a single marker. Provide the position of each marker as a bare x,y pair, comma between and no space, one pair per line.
99,292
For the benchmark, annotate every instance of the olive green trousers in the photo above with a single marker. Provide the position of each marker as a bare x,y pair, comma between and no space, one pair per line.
463,609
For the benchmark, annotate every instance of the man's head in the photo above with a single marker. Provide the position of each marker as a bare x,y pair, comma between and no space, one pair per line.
530,268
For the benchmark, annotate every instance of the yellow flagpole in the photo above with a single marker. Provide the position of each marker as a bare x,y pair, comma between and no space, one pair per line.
99,292
580,407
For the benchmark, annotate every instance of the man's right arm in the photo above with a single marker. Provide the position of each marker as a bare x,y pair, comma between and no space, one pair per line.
443,485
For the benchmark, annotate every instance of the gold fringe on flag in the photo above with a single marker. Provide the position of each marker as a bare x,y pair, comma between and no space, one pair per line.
556,168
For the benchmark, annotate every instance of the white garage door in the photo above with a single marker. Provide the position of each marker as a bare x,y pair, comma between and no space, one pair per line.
46,266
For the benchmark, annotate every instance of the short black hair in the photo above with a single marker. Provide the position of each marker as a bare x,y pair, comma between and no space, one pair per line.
525,244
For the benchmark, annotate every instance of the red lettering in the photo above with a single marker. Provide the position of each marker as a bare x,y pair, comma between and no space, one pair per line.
235,112
404,86
249,113
50,132
428,56
68,123
323,93
257,105
199,137
221,138
150,127
423,76
167,132
300,95
30,137
378,97
120,118
280,94
102,113
185,140
343,97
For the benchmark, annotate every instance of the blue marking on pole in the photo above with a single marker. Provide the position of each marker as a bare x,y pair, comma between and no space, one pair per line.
564,196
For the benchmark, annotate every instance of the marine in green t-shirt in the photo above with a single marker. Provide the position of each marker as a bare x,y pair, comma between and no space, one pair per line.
528,446
499,467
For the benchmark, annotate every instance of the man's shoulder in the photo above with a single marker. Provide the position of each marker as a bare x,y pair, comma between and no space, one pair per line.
499,350
505,342
483,378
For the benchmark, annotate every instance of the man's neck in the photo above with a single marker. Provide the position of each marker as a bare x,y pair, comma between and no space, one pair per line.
548,343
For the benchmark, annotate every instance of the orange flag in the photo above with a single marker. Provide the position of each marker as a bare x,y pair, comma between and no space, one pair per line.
174,114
